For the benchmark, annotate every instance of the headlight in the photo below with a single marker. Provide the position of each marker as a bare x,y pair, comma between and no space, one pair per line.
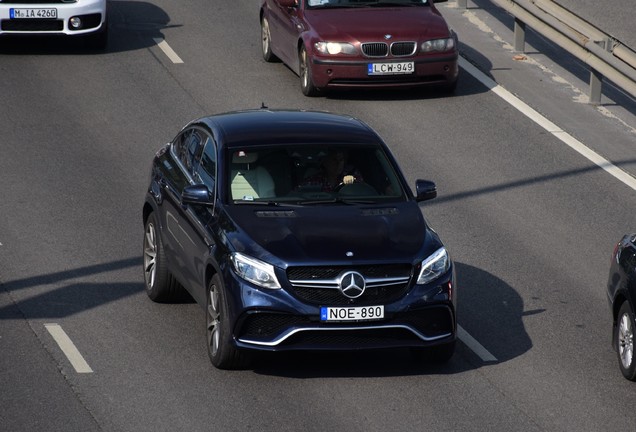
434,266
334,48
440,45
255,271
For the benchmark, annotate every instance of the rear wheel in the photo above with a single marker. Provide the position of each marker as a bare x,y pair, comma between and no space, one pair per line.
306,81
266,41
625,341
222,353
160,285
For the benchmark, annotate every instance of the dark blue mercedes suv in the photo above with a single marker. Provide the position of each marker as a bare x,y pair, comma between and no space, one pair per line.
296,230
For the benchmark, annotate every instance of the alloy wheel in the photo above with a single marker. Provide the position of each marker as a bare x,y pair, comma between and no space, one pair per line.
213,320
304,73
626,341
150,255
265,36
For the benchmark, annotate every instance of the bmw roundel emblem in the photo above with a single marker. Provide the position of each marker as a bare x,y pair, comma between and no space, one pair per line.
387,36
352,284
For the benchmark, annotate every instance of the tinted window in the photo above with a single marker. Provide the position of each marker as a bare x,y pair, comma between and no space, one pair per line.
304,173
206,171
187,148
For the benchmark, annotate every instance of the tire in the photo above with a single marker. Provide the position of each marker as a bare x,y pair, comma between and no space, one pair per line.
160,285
438,354
221,351
266,42
306,81
624,336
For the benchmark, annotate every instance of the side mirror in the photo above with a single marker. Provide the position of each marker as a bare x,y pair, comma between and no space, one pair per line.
425,190
287,3
196,194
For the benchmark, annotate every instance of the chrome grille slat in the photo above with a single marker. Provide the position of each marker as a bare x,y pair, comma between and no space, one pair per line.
321,285
403,49
382,49
375,49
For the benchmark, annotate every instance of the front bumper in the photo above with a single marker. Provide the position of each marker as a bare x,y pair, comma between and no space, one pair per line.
92,13
275,320
429,71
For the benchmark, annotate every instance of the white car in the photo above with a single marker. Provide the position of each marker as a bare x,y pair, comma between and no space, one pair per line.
79,18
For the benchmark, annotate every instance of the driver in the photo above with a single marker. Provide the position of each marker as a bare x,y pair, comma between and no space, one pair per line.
334,172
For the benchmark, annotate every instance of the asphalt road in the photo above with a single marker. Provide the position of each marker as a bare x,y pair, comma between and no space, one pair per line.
529,221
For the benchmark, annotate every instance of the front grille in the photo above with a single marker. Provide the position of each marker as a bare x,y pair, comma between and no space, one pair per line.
402,49
381,49
32,25
375,49
319,285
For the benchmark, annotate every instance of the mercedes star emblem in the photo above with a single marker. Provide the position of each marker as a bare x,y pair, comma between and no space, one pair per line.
352,284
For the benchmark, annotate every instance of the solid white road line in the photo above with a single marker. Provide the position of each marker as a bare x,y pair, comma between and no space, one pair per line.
68,348
546,124
475,346
161,43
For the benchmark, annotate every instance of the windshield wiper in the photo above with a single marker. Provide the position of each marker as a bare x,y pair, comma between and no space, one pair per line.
265,203
338,6
391,4
337,201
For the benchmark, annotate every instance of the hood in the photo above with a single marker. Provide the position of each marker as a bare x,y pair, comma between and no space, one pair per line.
373,23
329,234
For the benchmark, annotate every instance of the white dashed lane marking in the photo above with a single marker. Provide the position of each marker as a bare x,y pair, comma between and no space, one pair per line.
68,348
161,43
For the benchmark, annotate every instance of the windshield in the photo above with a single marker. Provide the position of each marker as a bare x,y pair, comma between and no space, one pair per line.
324,4
311,175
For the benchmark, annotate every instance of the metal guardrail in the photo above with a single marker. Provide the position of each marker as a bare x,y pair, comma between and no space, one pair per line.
605,55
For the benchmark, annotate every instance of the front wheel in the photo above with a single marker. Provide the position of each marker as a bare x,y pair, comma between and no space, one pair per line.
222,353
306,81
625,341
266,42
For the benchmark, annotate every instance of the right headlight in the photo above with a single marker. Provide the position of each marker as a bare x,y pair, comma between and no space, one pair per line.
334,48
255,271
434,266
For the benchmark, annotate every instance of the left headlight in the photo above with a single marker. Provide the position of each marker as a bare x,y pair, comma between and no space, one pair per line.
255,271
440,45
434,266
334,48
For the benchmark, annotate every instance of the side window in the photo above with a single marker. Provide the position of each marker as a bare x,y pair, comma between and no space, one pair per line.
188,147
206,170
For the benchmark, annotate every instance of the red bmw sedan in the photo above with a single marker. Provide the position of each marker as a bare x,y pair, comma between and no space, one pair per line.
360,43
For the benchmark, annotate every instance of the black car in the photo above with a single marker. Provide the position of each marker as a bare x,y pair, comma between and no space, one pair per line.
621,291
296,230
